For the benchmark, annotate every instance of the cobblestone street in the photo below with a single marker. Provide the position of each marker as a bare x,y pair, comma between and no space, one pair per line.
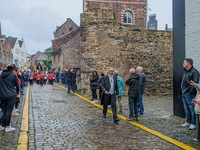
64,121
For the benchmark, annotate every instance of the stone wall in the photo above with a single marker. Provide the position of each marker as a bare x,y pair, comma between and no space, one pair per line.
136,7
106,43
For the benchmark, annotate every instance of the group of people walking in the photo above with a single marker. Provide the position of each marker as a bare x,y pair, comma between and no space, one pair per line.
111,89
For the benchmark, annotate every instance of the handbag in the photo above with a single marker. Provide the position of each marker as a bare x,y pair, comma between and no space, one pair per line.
94,84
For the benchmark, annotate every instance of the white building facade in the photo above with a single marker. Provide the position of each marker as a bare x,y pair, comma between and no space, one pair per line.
19,51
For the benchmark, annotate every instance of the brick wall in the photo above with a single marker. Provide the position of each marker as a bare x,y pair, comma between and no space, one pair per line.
137,7
106,43
192,31
65,28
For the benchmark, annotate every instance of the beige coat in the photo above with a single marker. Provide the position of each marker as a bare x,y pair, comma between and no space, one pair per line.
197,105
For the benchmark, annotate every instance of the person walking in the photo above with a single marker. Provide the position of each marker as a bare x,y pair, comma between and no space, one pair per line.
133,94
100,90
142,75
68,76
189,92
31,76
109,93
9,90
94,85
196,102
120,84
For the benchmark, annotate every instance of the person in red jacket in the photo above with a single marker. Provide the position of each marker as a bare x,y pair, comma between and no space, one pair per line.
41,78
31,77
35,75
38,78
51,78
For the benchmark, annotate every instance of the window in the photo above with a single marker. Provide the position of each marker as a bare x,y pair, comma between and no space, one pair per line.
127,17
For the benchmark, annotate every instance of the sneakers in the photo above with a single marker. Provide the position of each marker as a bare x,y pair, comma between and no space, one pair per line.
15,114
16,110
1,128
9,129
130,119
95,101
192,127
187,125
196,140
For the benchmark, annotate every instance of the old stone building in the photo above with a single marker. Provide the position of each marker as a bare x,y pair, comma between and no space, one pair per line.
66,47
8,56
106,43
34,59
126,12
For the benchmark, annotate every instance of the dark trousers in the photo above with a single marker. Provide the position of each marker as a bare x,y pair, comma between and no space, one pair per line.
41,81
17,101
133,106
100,92
38,81
31,81
69,84
51,82
7,107
110,99
45,81
63,81
94,93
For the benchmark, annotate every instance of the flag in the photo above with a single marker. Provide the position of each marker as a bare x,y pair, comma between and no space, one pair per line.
150,9
26,64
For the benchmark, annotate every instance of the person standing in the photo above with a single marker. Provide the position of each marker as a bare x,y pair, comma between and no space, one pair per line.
94,85
142,75
109,93
68,75
120,84
74,80
196,102
189,92
133,94
62,77
9,90
22,79
100,90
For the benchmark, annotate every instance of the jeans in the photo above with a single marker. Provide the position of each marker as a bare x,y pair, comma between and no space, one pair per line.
140,104
94,94
189,108
41,81
133,104
21,89
7,107
69,84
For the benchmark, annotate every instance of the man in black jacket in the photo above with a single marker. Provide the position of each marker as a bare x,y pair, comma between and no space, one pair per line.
142,75
68,77
189,92
109,93
133,93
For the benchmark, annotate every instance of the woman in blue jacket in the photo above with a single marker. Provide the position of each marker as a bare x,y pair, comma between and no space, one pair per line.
120,84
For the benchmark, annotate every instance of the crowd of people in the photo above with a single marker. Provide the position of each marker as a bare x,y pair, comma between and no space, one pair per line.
111,86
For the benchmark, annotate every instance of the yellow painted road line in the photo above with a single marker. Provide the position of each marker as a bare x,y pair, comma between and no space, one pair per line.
23,135
175,142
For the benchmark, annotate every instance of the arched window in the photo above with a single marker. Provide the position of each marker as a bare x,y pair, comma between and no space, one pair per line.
128,17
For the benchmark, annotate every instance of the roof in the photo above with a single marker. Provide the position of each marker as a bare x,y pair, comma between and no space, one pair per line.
5,46
68,19
152,15
41,58
20,43
11,40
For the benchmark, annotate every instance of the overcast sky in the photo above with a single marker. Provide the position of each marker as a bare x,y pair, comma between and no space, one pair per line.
36,20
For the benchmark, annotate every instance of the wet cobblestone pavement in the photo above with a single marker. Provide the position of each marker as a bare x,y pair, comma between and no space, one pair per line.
59,120
8,140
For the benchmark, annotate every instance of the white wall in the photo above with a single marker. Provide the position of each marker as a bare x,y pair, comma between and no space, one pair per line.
19,53
192,31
